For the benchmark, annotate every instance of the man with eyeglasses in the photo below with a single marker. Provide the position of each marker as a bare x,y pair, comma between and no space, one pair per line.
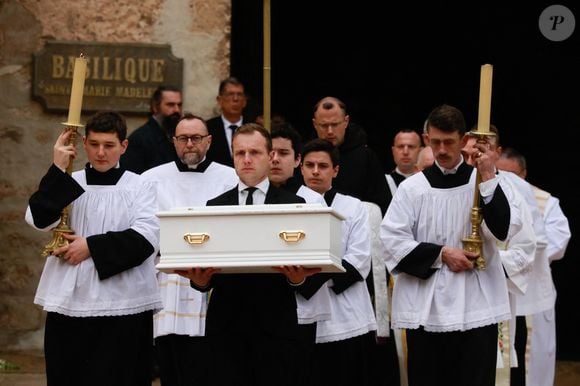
360,176
151,144
360,173
232,101
189,181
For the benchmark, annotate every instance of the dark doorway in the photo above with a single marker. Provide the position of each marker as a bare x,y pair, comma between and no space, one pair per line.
392,67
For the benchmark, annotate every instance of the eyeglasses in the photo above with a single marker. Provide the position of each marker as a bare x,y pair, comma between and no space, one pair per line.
330,125
184,139
232,95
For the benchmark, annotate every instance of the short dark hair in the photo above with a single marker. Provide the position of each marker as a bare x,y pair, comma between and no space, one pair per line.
287,131
318,144
406,130
158,95
107,122
230,80
448,119
249,128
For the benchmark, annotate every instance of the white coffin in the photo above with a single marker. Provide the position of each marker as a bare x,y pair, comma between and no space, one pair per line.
250,238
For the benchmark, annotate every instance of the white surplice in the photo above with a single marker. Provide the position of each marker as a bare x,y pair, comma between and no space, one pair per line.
316,308
184,308
352,311
76,290
446,301
542,362
519,253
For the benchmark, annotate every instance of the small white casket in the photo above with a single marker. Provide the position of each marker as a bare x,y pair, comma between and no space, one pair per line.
251,238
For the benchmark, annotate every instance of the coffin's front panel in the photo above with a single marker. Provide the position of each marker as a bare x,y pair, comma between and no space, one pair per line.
244,240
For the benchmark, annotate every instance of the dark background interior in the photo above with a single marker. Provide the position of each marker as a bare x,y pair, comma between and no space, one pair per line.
392,67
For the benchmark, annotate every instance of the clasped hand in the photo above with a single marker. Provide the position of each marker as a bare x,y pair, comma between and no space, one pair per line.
457,259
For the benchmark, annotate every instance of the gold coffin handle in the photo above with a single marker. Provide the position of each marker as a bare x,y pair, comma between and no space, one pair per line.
196,238
292,236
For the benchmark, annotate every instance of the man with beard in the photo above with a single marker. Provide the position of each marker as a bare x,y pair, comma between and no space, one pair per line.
151,144
192,180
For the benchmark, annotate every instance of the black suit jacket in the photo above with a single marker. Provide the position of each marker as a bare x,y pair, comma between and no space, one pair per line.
149,146
219,151
251,304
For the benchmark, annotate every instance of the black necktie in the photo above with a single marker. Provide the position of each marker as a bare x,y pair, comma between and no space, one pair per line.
233,127
250,199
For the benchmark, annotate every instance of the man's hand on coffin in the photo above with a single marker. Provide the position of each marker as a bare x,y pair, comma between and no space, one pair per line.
199,276
296,274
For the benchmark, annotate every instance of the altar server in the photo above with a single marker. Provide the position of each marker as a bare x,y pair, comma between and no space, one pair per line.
449,307
540,303
100,290
344,341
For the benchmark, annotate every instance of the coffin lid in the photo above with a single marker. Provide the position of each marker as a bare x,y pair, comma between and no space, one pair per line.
266,209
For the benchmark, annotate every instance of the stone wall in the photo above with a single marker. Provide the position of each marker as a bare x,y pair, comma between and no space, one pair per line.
198,32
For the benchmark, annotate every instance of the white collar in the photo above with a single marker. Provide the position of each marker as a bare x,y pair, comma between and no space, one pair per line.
452,170
227,123
406,175
262,186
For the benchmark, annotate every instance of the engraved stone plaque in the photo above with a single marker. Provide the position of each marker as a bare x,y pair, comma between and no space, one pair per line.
120,76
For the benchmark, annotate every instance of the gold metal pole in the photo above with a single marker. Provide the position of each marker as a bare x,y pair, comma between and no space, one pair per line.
267,67
72,125
63,226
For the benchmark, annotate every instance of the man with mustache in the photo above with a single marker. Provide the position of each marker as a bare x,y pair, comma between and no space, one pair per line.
449,308
189,181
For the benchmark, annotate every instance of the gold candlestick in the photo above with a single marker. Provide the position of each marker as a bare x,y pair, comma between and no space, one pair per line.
473,242
72,125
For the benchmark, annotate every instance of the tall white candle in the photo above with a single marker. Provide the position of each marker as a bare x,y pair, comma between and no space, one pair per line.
76,94
484,115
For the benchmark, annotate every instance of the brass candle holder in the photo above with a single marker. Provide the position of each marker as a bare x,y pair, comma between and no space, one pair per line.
63,226
473,242
72,125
